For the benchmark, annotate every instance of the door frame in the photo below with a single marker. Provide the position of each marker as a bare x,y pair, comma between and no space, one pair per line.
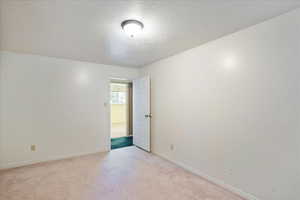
108,105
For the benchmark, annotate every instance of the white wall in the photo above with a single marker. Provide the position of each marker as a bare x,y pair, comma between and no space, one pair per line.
56,104
231,108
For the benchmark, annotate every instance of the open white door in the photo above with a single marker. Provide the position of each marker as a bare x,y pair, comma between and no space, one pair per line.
141,113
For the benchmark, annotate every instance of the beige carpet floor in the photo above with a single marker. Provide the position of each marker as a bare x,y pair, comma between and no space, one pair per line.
122,174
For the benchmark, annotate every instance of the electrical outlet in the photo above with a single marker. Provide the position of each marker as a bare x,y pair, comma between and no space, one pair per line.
172,147
33,147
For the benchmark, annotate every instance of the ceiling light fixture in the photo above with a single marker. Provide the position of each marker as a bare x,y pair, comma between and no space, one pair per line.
132,27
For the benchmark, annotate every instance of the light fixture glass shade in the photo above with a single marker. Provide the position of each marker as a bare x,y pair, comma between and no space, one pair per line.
132,27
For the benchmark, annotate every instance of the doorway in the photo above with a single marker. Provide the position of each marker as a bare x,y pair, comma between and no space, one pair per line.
121,114
130,113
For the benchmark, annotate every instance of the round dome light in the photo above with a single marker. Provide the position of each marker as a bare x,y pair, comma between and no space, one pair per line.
132,27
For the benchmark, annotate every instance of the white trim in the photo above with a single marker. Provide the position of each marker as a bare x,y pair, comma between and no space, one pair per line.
214,180
108,114
120,80
51,158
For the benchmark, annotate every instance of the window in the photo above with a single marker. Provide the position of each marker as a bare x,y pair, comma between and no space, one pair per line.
118,98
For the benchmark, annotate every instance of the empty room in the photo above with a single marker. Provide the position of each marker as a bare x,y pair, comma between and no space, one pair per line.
149,99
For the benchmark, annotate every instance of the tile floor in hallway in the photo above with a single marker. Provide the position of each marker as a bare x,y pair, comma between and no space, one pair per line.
122,174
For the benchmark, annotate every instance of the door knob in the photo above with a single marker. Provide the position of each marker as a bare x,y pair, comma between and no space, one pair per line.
148,116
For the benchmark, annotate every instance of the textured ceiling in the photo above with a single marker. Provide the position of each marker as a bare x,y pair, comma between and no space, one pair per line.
89,30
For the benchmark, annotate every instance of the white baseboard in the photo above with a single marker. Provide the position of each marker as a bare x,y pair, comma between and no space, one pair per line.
47,159
211,179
